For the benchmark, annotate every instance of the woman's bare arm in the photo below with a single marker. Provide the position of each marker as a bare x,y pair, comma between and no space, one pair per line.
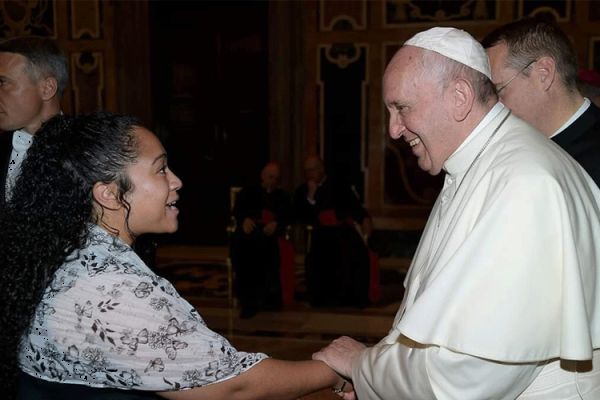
270,379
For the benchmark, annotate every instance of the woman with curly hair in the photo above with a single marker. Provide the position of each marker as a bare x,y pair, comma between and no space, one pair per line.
81,314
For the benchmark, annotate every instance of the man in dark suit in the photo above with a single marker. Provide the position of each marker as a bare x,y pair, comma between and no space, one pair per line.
337,263
33,76
534,68
262,213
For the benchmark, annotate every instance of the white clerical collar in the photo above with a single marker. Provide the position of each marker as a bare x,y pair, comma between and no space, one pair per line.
21,142
462,157
581,110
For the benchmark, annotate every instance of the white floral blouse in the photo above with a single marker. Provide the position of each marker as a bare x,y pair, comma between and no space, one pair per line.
107,320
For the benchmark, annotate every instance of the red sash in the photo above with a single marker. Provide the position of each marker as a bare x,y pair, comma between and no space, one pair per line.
267,216
287,256
328,218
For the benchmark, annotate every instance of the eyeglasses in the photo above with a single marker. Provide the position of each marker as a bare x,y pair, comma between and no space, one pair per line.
501,88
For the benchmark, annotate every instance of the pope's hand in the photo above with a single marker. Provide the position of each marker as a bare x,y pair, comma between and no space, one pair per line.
341,355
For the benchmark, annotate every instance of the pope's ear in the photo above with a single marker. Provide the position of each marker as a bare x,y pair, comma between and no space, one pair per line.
105,194
464,95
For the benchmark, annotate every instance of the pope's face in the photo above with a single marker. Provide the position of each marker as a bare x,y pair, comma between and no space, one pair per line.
417,107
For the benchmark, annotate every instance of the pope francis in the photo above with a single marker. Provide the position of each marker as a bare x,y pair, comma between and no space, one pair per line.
502,299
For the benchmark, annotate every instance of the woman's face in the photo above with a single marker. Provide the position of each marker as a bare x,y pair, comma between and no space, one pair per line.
153,195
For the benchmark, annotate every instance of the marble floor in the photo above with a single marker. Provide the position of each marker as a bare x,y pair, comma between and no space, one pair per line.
201,275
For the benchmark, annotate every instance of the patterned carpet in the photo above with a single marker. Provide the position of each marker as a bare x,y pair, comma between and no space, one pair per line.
197,281
206,283
294,333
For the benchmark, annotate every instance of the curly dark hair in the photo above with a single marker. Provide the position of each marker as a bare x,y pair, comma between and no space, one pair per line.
47,216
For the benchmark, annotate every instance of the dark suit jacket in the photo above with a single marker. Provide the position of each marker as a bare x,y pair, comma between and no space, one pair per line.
5,151
332,194
582,141
252,200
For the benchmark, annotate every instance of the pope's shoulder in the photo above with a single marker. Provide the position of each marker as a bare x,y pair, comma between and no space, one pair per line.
522,151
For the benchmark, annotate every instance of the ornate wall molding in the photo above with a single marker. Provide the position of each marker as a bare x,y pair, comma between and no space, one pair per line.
87,81
342,15
343,81
26,18
560,10
86,20
397,13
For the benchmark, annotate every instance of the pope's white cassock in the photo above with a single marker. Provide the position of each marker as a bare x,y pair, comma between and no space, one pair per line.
504,283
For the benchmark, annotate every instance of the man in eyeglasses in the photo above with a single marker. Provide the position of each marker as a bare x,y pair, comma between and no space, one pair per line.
534,68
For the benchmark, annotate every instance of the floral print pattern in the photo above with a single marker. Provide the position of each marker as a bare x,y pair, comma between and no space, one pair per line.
107,320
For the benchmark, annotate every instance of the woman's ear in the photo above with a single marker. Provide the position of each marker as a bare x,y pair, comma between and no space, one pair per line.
105,194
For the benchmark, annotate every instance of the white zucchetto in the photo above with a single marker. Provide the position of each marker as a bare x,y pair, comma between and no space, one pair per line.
455,44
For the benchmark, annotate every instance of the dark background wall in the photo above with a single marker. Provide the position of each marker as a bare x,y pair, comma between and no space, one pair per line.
229,85
209,68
